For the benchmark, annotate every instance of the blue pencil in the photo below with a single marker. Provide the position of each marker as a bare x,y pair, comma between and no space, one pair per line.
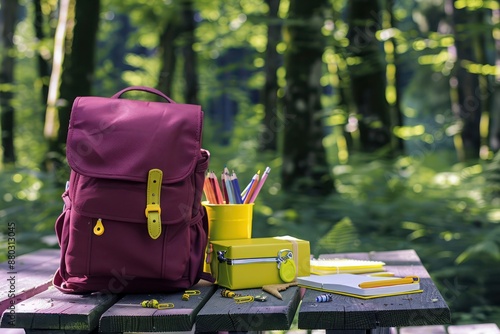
229,187
236,188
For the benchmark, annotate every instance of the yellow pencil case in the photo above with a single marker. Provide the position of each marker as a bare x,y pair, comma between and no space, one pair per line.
252,263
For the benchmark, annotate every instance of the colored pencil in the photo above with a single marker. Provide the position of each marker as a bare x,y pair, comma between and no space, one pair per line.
255,181
212,188
244,192
229,187
218,192
236,188
259,186
224,190
207,188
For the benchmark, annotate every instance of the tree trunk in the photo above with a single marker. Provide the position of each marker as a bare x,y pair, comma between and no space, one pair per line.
368,82
43,65
468,105
395,80
177,39
167,52
190,58
305,167
51,118
494,130
268,140
78,67
9,11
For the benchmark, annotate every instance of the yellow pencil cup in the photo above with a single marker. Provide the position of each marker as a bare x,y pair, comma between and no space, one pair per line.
229,221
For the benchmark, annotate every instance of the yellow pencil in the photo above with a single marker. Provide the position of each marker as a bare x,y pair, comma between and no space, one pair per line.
389,282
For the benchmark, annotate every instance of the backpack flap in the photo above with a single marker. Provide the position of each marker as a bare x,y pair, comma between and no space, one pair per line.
114,143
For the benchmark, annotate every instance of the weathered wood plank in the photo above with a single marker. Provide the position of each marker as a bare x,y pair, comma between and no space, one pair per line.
362,331
435,329
397,257
57,331
474,329
426,308
12,331
53,310
31,274
127,315
224,314
348,313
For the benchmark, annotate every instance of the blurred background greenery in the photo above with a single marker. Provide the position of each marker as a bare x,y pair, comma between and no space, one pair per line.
402,117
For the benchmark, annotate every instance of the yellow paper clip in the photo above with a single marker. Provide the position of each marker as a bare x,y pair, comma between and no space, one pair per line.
153,303
164,306
243,299
189,293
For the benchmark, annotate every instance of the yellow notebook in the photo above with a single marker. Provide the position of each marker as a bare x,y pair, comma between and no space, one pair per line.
345,266
361,286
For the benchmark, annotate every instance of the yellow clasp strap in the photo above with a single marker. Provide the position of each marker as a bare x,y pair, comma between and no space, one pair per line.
153,209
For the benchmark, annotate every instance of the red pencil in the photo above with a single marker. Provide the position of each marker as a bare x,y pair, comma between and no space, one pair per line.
207,188
217,191
224,190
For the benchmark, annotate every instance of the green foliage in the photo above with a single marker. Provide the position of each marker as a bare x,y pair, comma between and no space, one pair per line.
478,315
492,174
32,202
30,196
447,212
340,239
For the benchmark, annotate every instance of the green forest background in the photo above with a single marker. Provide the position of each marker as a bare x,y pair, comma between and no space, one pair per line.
380,120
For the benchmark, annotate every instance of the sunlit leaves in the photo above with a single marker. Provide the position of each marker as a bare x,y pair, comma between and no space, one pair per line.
259,40
342,237
283,9
488,247
406,132
476,4
481,69
146,73
230,24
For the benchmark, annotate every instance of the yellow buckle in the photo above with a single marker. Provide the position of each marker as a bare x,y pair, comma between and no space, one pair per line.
152,207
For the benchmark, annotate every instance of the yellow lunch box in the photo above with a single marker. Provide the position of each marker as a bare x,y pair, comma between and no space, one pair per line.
252,263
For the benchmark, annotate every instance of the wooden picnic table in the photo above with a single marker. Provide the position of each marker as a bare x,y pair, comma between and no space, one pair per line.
51,311
380,314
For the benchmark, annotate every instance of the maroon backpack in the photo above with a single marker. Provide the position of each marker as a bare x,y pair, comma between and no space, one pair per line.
133,220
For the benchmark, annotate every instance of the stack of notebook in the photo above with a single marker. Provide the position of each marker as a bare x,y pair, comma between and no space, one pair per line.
345,266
